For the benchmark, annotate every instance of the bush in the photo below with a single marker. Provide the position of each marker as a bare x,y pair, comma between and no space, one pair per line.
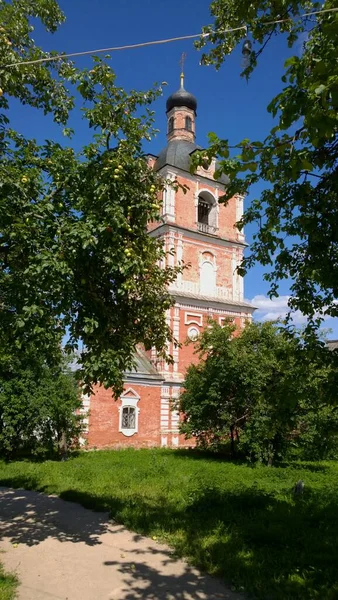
39,413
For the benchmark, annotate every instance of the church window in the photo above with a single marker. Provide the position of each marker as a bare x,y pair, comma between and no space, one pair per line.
171,125
128,413
188,123
207,212
204,209
129,417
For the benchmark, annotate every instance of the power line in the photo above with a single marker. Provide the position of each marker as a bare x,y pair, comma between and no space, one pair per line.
116,48
158,42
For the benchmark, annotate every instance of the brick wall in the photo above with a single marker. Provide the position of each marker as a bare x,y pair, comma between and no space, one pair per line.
104,419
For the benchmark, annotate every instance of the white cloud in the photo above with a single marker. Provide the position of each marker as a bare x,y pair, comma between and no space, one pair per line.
271,309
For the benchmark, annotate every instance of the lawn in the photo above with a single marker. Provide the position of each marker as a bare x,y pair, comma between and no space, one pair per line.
235,521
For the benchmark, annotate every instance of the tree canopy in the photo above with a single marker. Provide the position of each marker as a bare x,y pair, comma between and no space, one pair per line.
265,390
75,256
39,410
297,212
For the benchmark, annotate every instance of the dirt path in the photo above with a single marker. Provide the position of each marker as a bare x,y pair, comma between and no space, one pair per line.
60,550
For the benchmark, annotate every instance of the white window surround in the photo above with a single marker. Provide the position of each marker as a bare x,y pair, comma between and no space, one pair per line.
129,399
193,318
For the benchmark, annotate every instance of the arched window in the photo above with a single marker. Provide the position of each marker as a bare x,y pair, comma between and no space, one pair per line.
128,413
204,209
188,123
171,125
207,279
207,212
128,417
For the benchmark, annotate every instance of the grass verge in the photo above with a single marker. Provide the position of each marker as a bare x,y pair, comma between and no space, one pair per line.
8,585
238,522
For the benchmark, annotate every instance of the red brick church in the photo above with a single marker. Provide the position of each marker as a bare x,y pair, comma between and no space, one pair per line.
202,233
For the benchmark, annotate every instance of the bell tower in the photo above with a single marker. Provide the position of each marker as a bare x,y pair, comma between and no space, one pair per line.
199,232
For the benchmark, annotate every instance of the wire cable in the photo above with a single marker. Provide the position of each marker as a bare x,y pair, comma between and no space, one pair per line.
158,42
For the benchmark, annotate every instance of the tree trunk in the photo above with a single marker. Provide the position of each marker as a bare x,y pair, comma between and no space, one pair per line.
232,441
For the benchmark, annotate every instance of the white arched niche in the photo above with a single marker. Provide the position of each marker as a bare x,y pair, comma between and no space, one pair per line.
207,278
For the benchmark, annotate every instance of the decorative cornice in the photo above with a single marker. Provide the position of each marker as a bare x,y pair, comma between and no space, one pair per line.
164,228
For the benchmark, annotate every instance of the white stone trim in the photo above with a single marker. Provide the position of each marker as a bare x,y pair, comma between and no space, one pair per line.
169,196
201,238
228,318
176,333
193,333
239,213
84,412
190,318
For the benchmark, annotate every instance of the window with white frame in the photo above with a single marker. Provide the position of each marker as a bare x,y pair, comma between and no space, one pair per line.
128,417
129,413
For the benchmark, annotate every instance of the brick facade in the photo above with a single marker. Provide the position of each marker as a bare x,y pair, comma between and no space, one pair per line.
211,247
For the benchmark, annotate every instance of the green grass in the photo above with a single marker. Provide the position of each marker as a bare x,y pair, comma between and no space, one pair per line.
8,585
235,521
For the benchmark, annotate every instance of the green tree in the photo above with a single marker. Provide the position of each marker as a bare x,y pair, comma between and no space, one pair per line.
39,411
264,390
75,256
297,212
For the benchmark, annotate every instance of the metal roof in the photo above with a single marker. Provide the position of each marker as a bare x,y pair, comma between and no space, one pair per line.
178,154
143,368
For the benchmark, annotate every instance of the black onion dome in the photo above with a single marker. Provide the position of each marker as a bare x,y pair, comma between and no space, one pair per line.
182,98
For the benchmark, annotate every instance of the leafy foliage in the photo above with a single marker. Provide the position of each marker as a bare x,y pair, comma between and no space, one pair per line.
296,214
75,256
39,412
265,390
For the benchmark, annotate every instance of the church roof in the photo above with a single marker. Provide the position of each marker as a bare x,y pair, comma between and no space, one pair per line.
182,98
178,154
143,368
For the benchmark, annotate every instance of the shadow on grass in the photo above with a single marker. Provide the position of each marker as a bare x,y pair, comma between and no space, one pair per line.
209,455
273,547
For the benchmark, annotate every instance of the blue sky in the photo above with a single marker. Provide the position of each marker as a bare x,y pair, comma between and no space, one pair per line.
227,104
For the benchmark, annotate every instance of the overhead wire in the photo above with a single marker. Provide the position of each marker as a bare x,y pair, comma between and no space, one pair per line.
159,42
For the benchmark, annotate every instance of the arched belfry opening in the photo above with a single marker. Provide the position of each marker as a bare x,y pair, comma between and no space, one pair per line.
207,212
